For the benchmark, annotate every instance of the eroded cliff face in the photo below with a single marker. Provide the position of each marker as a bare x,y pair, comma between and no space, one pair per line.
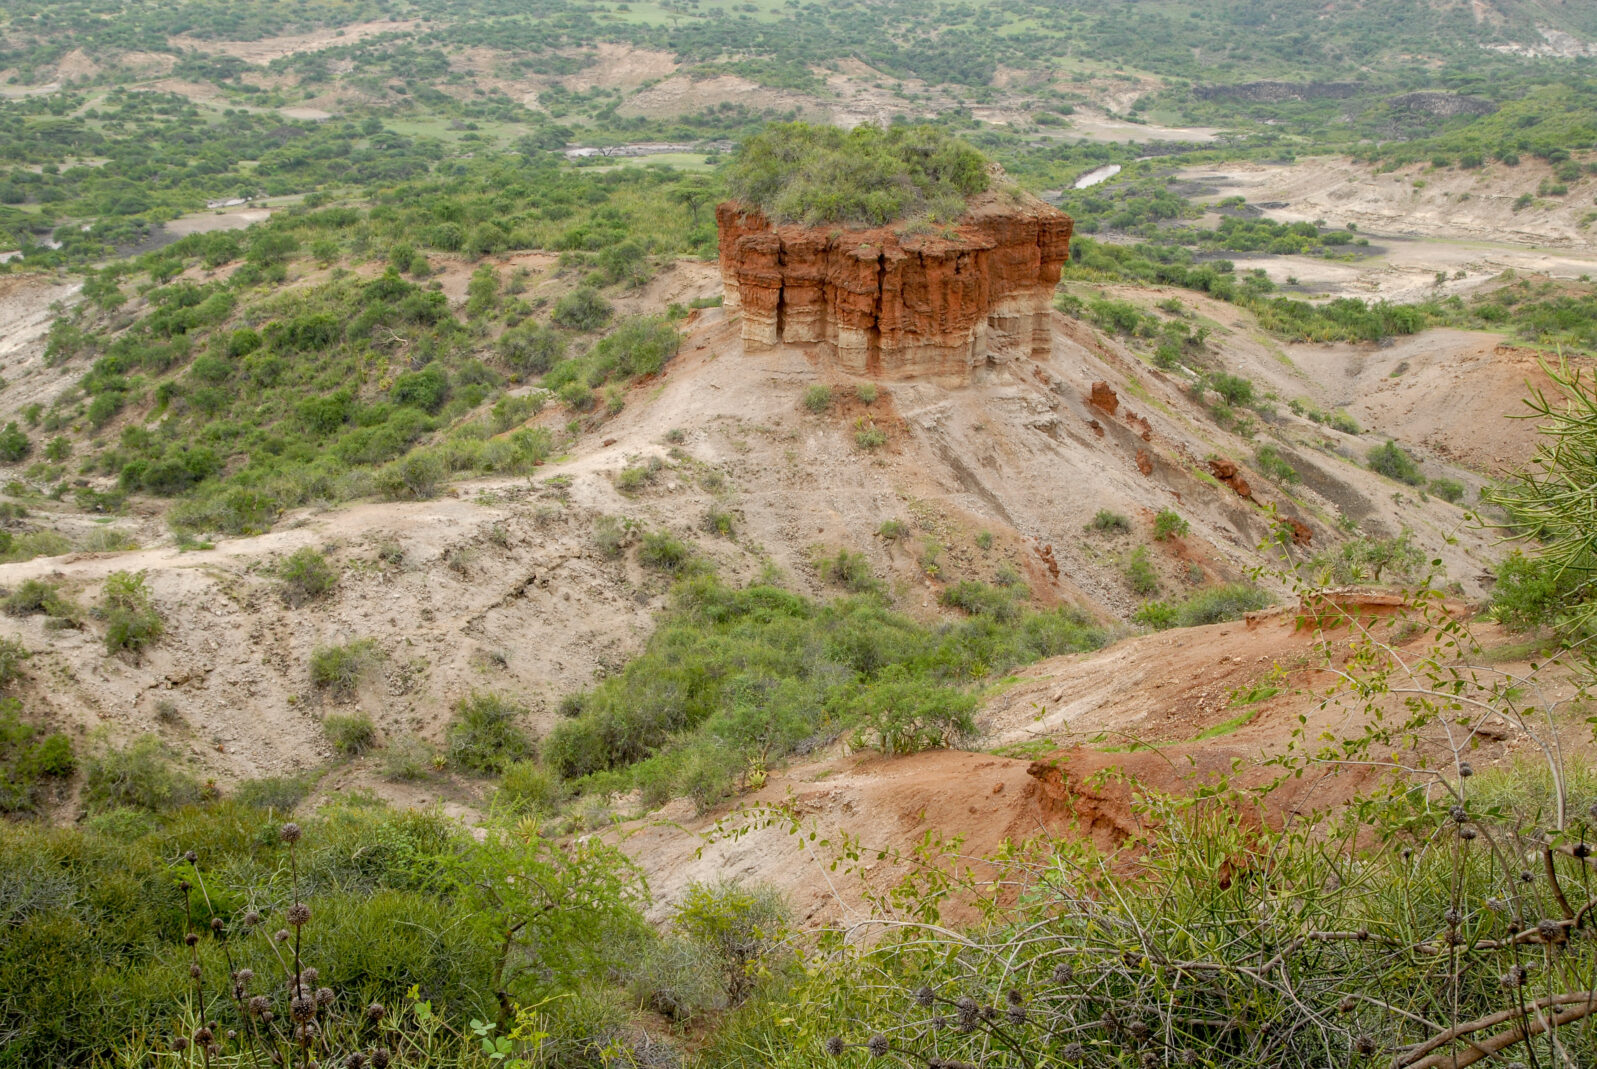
900,305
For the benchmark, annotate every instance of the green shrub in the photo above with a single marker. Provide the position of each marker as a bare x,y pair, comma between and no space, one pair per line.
531,349
904,715
1107,522
12,655
351,735
40,596
1274,466
1449,490
610,536
1140,573
29,757
718,521
414,477
406,758
280,793
1393,462
870,436
818,399
1214,605
582,309
866,393
1365,560
528,786
1529,592
339,670
664,552
14,444
848,569
984,541
304,576
1168,522
979,599
1235,389
485,734
740,928
131,619
143,775
893,530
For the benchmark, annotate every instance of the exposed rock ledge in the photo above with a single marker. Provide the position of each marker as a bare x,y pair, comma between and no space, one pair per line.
900,305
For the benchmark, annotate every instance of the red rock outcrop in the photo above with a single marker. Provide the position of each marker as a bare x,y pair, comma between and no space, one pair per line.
900,305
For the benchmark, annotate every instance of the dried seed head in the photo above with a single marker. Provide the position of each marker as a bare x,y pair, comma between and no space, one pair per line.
1150,1060
834,1046
1364,1045
281,935
299,914
1189,1056
251,919
1014,997
214,1050
1525,876
380,1058
232,1034
191,857
1063,973
1549,930
356,1060
1139,1030
1453,918
267,1016
1459,814
245,975
924,996
194,970
309,975
1073,1052
290,833
216,924
203,1035
324,996
1581,850
1016,1014
302,1009
1465,770
260,1004
877,1045
190,939
184,886
1514,977
376,1011
1466,834
1348,1004
179,1043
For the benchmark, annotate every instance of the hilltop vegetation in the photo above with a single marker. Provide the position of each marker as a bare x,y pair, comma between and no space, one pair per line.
795,172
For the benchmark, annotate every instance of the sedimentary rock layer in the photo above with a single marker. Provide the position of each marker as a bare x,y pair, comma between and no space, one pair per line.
899,305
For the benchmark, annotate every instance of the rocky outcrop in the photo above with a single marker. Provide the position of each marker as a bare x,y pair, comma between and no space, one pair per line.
1442,105
1276,92
900,305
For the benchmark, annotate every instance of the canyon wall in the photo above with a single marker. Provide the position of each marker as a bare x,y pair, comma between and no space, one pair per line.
900,305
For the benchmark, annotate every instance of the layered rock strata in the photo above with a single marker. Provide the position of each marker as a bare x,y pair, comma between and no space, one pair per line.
899,305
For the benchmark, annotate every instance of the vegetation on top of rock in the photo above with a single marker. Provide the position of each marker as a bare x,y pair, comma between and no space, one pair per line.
796,172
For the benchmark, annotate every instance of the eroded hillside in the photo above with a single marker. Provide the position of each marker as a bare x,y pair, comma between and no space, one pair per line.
533,587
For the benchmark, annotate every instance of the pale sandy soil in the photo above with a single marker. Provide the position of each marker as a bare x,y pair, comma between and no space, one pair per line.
266,49
1451,203
1097,125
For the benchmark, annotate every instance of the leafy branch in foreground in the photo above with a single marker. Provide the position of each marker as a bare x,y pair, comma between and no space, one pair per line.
1554,501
